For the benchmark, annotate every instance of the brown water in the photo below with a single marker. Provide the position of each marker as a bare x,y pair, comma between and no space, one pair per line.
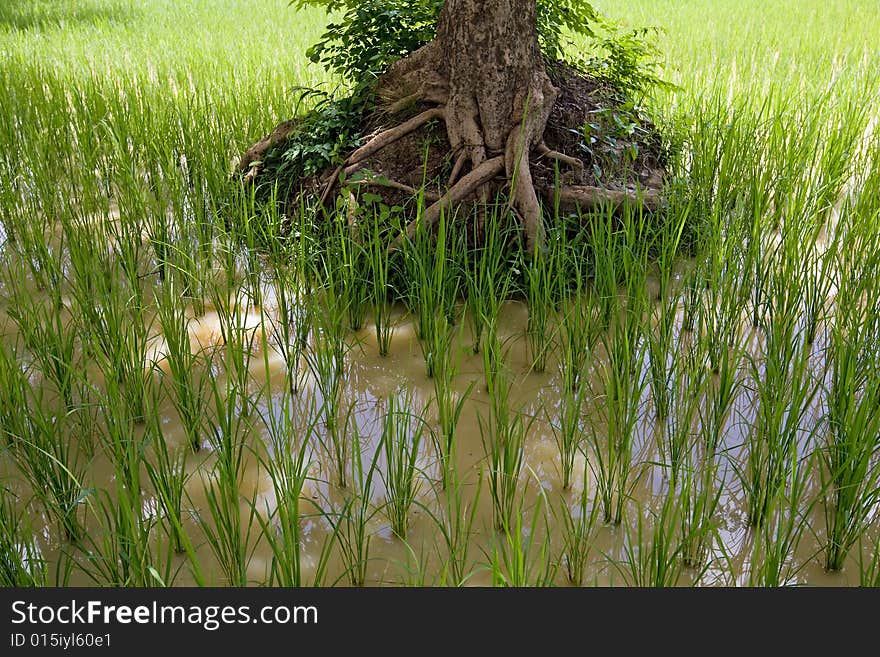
369,380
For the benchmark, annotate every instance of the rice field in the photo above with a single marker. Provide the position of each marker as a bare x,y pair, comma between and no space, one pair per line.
187,396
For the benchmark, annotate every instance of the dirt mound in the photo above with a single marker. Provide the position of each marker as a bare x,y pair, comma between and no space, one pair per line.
597,148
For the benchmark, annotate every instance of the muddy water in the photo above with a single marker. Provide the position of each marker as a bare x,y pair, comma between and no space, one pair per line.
369,380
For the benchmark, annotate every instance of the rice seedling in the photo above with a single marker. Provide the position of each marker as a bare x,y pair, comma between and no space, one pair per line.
21,563
541,273
568,431
699,493
851,471
449,403
653,556
287,464
50,463
677,437
455,520
485,282
778,538
380,270
289,268
349,257
114,325
401,442
433,288
521,555
577,326
621,385
503,435
47,331
168,476
350,521
181,376
784,390
578,527
325,359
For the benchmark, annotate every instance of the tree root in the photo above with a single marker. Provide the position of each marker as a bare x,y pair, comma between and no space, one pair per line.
457,193
545,151
391,135
393,184
256,152
586,197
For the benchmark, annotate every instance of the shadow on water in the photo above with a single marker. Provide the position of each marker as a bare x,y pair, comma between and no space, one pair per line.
36,15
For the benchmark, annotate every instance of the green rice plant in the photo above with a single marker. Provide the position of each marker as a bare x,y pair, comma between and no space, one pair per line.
568,431
48,460
168,476
114,325
677,437
653,556
699,493
47,331
503,435
287,464
21,562
784,390
541,274
455,521
350,258
661,365
621,385
486,284
578,330
325,359
186,387
401,442
228,528
380,270
579,527
850,449
449,402
778,538
433,287
350,522
120,551
291,327
521,555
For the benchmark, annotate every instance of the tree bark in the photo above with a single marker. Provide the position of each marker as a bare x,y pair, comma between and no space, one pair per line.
485,68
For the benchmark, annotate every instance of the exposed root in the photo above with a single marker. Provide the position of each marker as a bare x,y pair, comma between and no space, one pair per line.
457,167
393,184
523,196
391,135
586,197
329,185
267,143
458,192
545,151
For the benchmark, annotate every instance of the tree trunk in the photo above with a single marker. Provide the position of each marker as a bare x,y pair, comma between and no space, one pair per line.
485,67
